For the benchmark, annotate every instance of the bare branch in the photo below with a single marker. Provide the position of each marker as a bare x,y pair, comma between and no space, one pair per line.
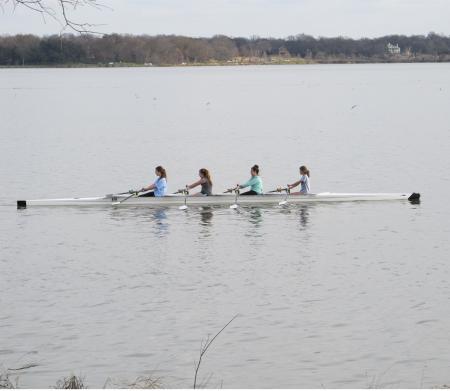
206,346
61,14
28,366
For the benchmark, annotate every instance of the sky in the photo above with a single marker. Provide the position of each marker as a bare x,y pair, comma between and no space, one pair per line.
264,18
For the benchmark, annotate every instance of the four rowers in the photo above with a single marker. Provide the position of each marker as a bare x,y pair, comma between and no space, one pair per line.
159,187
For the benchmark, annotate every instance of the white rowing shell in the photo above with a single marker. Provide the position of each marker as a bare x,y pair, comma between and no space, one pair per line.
177,200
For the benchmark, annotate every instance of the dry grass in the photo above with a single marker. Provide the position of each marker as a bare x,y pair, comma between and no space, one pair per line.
141,382
71,383
74,382
5,382
145,382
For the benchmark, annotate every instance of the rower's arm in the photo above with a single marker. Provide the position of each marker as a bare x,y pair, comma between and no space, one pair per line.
195,184
248,183
294,184
149,187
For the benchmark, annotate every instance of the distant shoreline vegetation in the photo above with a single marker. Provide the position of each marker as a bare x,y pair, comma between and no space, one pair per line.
170,50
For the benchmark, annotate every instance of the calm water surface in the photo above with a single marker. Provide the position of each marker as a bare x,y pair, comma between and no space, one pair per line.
334,295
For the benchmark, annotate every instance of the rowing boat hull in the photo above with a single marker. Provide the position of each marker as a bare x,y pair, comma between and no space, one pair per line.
178,200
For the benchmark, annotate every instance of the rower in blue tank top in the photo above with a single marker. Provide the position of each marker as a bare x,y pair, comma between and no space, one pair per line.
304,181
159,187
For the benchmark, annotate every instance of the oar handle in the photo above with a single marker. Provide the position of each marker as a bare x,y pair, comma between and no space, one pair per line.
231,190
280,189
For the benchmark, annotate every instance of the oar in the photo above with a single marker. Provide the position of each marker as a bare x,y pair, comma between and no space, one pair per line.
235,205
115,194
186,193
285,201
236,190
134,194
236,197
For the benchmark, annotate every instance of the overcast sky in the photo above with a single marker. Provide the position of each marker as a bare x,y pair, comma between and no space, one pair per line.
275,18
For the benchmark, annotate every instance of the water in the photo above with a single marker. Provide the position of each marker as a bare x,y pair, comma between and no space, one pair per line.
335,295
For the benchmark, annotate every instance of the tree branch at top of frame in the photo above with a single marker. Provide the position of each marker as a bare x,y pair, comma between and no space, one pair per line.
60,11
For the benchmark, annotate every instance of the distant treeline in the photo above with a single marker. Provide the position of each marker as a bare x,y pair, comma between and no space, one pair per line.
114,49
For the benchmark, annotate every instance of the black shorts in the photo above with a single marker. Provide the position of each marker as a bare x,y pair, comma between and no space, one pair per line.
150,194
250,192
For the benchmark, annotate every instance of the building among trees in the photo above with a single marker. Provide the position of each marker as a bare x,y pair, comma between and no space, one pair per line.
393,49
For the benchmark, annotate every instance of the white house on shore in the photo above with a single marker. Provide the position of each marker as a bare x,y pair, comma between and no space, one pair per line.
393,49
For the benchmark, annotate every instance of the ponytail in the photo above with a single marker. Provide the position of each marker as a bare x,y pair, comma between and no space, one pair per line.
305,170
206,174
256,169
161,171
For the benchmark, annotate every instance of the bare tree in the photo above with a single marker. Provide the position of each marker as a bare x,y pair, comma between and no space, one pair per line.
59,10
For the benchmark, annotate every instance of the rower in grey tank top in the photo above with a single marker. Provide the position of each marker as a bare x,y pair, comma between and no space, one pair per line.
205,182
206,188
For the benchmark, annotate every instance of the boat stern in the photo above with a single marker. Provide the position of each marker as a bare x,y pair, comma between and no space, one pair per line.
414,197
21,204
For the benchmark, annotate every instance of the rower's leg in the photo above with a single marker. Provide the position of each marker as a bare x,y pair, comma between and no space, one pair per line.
151,194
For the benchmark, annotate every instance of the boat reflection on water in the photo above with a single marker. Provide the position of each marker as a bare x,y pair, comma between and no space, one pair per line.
303,211
161,218
256,216
142,216
253,214
206,215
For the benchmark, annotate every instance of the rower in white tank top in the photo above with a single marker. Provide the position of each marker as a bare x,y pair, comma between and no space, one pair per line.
304,181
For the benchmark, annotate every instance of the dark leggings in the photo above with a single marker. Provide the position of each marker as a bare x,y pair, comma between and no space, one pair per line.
250,192
151,194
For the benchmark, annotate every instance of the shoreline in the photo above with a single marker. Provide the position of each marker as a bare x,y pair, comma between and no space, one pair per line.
219,64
